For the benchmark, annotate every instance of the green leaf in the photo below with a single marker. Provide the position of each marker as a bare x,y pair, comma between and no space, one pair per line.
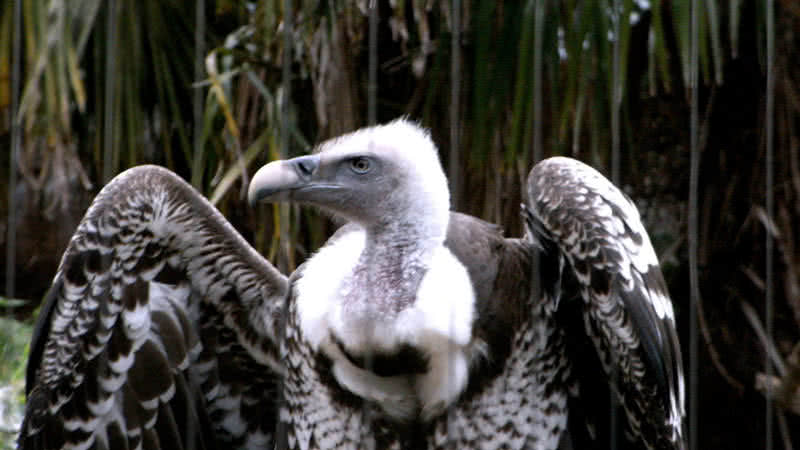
681,19
714,19
520,119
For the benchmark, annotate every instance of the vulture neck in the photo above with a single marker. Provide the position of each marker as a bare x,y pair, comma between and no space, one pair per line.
396,256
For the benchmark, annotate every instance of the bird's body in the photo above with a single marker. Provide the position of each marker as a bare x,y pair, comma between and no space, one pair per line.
413,327
483,372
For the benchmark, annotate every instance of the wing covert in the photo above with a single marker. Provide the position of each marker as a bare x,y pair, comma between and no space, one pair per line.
158,313
627,311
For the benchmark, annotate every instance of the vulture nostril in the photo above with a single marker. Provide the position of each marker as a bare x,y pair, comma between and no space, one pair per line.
305,168
306,165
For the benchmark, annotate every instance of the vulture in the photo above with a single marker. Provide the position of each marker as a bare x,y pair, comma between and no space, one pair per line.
413,327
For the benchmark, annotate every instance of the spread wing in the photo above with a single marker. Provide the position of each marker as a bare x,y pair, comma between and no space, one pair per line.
159,330
626,310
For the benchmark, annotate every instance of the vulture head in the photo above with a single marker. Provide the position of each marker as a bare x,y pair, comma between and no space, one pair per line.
379,177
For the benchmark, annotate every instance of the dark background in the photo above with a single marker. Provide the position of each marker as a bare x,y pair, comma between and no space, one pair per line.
129,84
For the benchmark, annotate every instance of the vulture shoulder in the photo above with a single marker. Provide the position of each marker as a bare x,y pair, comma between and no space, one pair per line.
159,330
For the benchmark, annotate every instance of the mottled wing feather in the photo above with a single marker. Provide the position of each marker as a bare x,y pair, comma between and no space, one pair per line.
628,313
159,330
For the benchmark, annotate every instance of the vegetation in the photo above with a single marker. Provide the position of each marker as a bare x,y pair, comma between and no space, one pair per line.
203,88
14,339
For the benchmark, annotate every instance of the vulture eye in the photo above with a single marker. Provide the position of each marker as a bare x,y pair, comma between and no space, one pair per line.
360,164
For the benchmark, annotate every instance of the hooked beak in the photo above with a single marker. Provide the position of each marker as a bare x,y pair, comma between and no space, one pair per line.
277,180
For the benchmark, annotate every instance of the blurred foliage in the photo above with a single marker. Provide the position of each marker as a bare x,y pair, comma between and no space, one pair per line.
199,87
104,91
14,339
